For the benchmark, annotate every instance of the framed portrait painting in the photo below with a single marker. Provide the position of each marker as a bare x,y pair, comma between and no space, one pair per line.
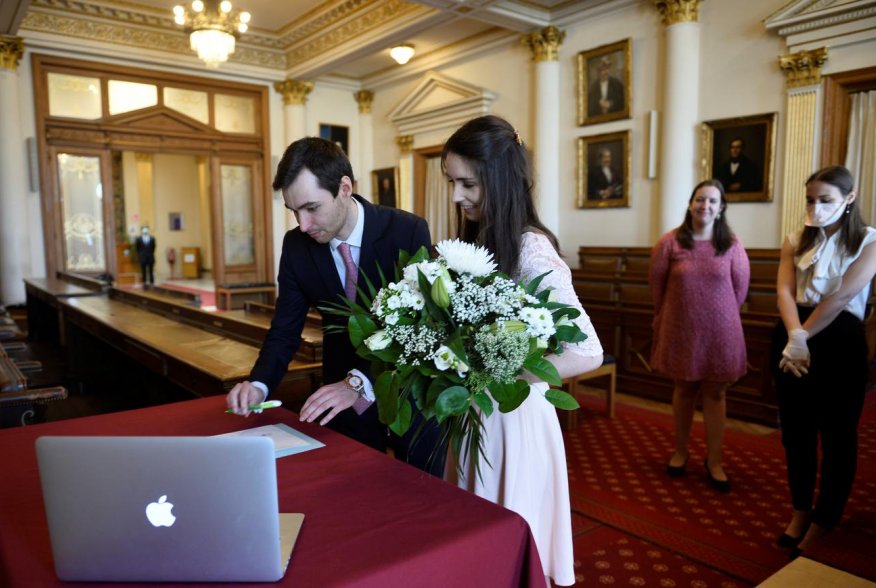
604,171
604,91
740,152
384,184
337,134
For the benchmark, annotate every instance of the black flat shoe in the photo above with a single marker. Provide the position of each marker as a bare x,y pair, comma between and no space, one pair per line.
785,541
676,471
795,553
722,486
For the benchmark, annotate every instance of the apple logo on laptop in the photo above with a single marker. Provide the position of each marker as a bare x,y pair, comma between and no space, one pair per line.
159,513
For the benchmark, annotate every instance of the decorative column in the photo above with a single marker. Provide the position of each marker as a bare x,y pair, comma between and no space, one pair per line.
803,83
678,161
294,97
13,177
545,47
364,98
405,189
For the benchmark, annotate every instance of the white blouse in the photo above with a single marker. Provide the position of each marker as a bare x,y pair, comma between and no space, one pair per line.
820,270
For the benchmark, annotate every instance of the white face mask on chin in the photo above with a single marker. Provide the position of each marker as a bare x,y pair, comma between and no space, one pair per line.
824,214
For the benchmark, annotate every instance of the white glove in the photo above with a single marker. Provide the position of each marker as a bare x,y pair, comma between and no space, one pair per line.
795,357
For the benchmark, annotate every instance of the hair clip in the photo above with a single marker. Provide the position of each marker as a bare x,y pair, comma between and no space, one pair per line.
517,137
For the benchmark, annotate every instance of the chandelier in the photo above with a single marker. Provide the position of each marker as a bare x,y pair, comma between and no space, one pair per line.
213,27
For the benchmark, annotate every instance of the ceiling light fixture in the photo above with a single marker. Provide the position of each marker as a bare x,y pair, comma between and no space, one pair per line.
402,53
213,27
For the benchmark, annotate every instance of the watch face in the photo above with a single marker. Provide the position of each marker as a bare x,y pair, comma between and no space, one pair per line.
354,381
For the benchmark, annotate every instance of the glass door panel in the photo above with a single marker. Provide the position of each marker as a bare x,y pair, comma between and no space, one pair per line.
82,212
237,210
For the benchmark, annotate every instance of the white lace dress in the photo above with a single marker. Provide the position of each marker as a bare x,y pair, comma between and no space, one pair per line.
525,446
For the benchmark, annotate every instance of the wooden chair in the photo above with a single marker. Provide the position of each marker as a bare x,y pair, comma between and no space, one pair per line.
608,369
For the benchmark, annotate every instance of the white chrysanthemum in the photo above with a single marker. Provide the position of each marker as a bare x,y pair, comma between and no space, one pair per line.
465,258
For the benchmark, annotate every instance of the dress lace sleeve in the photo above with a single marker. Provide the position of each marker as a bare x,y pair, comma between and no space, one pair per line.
538,256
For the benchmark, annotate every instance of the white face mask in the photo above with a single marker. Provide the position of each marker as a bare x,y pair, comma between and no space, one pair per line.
824,214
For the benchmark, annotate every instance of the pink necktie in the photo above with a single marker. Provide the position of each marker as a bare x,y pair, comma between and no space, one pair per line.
352,272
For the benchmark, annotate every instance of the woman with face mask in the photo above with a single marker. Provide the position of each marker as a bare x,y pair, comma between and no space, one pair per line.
819,352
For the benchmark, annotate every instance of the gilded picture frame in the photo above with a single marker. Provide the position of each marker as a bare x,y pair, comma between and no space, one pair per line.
604,171
740,152
604,88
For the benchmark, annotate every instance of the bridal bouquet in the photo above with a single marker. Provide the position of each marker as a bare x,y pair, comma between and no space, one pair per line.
456,335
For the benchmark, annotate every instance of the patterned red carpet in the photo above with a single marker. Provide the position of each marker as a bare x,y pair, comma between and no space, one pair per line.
617,479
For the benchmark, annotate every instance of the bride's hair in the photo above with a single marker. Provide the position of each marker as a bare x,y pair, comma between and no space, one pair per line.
499,159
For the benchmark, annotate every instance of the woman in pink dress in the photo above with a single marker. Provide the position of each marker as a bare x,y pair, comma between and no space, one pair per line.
699,278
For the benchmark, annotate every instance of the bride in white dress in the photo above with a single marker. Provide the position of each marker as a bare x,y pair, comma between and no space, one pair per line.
489,171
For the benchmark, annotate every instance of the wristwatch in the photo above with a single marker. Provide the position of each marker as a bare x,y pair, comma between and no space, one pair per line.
355,383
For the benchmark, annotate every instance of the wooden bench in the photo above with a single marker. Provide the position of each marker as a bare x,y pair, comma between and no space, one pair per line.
233,296
612,284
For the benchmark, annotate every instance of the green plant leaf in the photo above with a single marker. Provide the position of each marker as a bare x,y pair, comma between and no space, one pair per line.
482,399
452,401
402,422
570,334
387,397
361,327
517,393
561,399
544,370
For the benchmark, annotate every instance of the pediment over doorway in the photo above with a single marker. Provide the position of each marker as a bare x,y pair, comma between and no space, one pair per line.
439,101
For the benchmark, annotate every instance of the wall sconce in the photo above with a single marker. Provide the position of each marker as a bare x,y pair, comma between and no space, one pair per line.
402,53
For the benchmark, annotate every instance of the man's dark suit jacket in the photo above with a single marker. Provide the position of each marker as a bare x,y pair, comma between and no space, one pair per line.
307,278
748,175
145,251
597,181
615,93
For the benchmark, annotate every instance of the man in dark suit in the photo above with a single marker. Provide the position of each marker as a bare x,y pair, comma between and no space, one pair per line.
316,180
604,182
145,246
606,93
739,173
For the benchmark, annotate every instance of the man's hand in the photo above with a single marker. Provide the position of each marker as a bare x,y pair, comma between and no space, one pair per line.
332,398
242,396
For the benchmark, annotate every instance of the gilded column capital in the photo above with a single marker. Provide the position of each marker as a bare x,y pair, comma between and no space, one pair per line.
143,157
804,67
364,98
545,44
405,143
293,91
676,11
11,52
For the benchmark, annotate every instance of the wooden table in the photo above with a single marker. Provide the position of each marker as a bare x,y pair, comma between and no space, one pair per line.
202,362
44,319
370,520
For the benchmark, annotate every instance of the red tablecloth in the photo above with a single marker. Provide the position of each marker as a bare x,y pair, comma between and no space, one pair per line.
369,520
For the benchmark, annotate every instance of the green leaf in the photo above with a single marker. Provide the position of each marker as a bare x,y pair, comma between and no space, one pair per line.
570,334
432,309
518,392
483,401
533,284
544,370
561,399
387,397
402,422
360,327
452,401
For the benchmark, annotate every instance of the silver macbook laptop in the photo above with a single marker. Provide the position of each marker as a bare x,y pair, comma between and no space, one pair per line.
199,509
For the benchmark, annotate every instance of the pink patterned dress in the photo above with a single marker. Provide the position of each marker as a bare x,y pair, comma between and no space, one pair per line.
697,295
